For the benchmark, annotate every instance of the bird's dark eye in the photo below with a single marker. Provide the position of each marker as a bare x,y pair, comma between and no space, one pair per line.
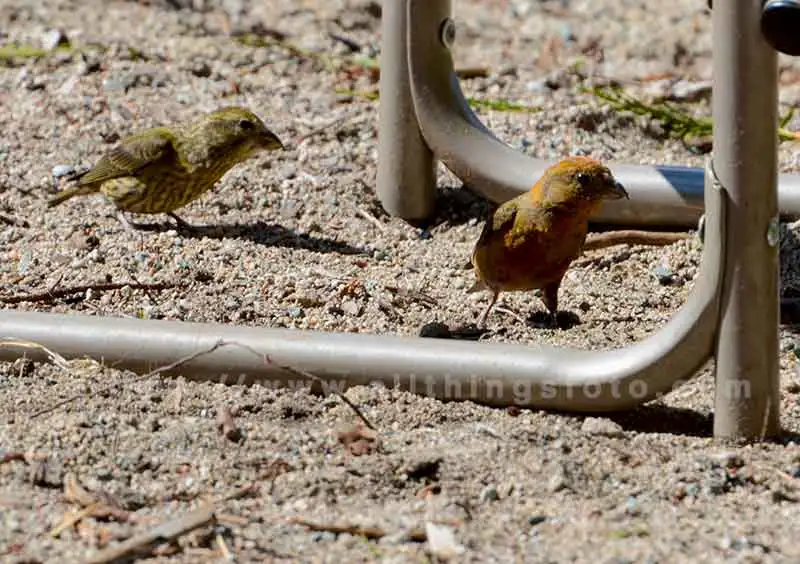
583,179
246,125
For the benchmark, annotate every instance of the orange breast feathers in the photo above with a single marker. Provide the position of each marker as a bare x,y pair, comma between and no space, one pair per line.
530,241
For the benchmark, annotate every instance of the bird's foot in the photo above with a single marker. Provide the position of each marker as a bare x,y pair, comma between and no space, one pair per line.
182,225
197,230
128,224
135,227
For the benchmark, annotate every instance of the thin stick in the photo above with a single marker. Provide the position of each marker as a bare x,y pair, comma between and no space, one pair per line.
312,377
188,358
513,314
355,530
223,547
417,535
333,123
11,220
319,380
57,359
632,237
105,287
371,218
55,284
166,531
71,519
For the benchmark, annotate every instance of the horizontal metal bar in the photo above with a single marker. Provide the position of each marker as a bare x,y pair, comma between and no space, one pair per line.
659,195
491,373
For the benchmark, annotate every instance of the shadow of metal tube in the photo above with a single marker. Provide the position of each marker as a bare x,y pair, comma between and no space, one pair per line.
491,373
660,195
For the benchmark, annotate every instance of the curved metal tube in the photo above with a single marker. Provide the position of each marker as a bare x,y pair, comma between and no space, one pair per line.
491,373
659,195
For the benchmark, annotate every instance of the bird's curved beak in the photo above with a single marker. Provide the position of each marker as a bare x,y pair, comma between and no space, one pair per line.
270,141
616,191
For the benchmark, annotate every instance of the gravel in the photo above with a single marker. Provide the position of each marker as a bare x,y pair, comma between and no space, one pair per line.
297,239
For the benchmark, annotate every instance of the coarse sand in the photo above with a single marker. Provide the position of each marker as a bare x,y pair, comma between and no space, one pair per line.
297,239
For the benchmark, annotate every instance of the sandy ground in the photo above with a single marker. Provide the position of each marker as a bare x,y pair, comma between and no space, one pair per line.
297,239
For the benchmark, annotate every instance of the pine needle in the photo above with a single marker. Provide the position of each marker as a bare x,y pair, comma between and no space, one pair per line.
496,105
675,120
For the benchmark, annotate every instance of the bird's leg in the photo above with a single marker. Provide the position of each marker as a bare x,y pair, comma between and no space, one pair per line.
551,300
485,314
132,227
182,225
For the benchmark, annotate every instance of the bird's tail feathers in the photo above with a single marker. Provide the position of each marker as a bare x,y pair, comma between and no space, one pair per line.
65,195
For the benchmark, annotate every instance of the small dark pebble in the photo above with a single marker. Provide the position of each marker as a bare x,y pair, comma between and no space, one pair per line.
439,330
536,520
663,274
435,330
422,468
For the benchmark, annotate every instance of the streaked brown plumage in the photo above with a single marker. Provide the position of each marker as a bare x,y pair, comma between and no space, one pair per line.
162,169
529,242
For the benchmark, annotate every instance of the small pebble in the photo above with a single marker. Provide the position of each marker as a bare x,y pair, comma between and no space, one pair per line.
558,482
351,308
53,38
663,274
489,494
118,83
442,541
602,426
729,460
536,520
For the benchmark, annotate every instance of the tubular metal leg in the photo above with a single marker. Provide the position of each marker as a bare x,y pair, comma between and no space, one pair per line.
739,257
660,195
745,161
406,183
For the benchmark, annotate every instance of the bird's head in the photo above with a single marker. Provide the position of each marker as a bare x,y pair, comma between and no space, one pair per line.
239,130
580,181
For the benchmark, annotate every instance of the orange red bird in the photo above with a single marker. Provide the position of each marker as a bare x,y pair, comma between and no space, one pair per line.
529,242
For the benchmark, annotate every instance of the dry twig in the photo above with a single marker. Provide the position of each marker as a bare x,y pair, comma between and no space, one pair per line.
632,237
372,533
83,288
333,123
188,358
11,220
164,532
319,380
56,358
371,218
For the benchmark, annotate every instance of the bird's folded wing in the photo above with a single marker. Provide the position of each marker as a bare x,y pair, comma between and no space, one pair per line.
132,155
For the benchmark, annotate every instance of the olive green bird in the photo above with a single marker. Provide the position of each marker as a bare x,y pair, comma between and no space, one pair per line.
162,169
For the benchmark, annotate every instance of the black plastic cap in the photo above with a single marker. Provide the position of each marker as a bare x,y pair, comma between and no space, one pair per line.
780,25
